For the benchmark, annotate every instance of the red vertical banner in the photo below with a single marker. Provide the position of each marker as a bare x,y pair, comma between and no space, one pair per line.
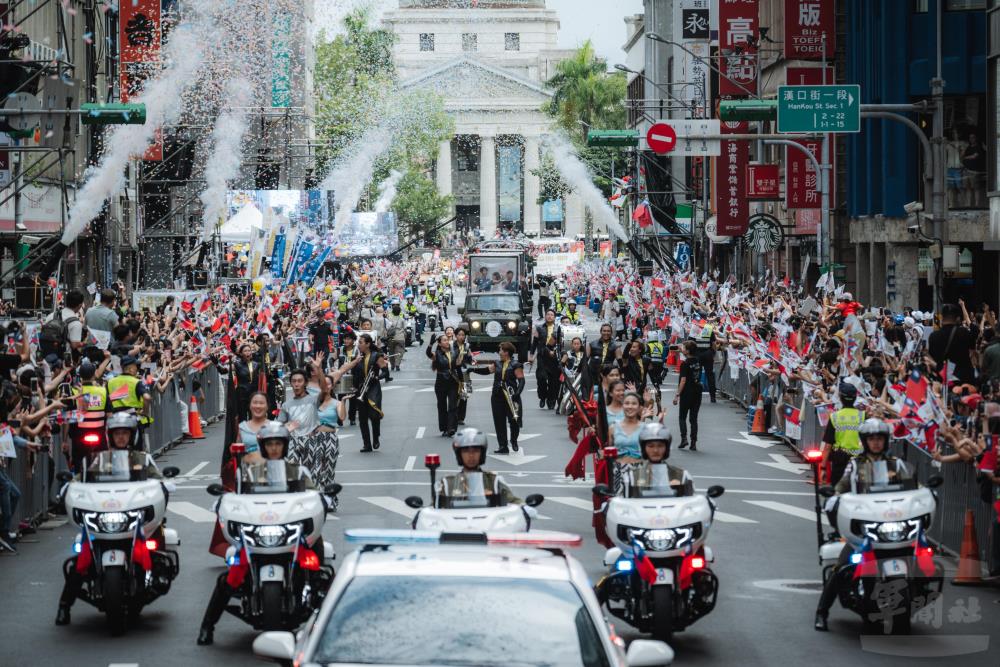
139,36
731,204
806,24
738,35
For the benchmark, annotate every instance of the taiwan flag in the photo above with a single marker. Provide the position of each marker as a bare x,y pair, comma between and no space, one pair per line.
867,565
643,214
643,565
924,555
793,421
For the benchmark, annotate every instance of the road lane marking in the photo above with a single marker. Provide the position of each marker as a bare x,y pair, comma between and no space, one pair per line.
424,391
790,510
191,511
517,459
571,501
195,469
411,460
392,504
726,517
420,434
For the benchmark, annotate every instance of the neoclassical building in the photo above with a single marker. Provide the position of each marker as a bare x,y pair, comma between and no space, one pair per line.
489,59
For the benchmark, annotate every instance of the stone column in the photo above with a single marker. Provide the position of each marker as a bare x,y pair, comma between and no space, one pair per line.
444,167
532,187
487,187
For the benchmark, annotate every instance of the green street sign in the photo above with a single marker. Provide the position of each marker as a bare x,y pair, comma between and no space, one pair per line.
113,114
747,109
819,109
613,138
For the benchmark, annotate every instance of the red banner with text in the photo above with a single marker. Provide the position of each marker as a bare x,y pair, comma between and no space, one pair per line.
807,22
763,182
732,206
139,35
738,28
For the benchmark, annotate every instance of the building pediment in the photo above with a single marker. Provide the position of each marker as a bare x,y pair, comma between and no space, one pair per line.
468,83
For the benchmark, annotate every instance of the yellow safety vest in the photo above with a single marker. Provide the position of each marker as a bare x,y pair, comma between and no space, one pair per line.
846,422
121,390
342,303
92,400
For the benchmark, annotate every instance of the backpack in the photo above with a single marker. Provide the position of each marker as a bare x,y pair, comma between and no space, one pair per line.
54,334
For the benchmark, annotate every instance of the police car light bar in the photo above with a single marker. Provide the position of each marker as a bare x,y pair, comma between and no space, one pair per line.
535,539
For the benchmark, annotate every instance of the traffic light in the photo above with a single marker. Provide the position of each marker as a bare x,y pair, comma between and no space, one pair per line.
613,138
113,114
748,109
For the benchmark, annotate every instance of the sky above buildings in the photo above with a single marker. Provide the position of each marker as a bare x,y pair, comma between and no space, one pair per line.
601,21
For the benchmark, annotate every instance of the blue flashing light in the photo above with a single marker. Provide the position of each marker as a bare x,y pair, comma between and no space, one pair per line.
390,536
855,559
624,565
233,560
77,547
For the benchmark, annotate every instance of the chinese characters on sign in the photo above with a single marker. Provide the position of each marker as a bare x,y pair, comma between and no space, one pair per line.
806,23
763,182
139,32
802,182
732,206
738,21
695,21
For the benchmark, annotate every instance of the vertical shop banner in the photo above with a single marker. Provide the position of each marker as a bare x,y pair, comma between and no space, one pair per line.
763,182
693,22
806,24
801,180
281,60
738,28
731,203
278,255
139,35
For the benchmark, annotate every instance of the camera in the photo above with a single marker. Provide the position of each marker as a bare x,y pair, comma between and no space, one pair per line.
913,207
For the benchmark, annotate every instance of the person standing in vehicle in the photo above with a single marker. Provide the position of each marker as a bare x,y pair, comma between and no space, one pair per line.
859,474
546,346
470,447
505,399
688,395
841,435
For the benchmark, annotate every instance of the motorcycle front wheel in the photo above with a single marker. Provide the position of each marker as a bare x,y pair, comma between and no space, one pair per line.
663,613
115,592
270,605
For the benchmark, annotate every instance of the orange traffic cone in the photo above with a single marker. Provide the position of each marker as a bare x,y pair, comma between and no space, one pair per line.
969,568
194,420
759,421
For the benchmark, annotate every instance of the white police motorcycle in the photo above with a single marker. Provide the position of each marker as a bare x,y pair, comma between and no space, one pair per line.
123,554
277,556
890,572
473,507
659,579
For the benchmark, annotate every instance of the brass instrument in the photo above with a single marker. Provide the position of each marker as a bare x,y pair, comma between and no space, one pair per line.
511,403
362,393
464,386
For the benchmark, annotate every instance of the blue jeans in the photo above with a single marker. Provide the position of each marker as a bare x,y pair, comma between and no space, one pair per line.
9,497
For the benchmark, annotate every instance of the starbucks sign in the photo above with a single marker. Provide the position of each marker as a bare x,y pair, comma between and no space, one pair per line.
764,233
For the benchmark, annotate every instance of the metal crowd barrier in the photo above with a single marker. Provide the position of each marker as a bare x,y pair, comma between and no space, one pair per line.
959,493
34,474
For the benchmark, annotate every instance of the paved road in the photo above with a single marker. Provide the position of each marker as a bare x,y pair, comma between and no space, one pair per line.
764,535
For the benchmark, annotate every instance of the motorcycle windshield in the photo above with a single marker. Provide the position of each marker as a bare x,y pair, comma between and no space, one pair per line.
270,477
117,465
468,490
656,483
878,477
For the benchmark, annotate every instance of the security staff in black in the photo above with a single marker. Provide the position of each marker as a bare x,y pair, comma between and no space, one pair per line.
858,477
505,399
688,395
447,365
706,355
602,351
546,347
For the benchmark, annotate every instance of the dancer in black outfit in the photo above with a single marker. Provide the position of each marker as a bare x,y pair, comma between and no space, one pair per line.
446,365
546,347
508,376
369,419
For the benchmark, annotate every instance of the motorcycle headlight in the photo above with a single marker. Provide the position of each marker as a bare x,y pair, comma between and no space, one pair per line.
660,540
892,531
270,536
116,522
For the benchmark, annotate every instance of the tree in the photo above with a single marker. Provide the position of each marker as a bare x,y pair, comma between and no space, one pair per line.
551,183
419,207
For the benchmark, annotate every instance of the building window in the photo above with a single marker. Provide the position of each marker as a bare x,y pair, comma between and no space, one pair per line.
512,41
426,41
966,154
470,42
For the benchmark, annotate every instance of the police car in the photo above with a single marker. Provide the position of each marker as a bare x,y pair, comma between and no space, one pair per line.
487,599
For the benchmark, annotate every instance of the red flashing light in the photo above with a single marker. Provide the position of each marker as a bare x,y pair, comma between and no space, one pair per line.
813,455
925,551
432,460
697,563
237,448
610,452
91,439
308,560
541,539
151,545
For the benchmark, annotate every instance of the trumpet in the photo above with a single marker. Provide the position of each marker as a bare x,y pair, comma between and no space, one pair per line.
464,386
511,403
363,392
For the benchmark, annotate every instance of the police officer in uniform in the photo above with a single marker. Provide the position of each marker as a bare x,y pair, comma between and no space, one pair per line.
571,313
654,443
92,400
411,310
657,355
128,392
859,474
343,303
841,435
470,447
706,355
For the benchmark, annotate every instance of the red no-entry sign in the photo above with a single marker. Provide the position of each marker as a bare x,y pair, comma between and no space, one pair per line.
661,138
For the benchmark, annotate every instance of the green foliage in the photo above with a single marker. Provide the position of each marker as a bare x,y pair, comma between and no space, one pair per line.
551,183
418,205
587,96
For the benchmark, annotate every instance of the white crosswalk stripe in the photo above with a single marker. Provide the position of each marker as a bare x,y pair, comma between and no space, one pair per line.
726,517
790,510
191,512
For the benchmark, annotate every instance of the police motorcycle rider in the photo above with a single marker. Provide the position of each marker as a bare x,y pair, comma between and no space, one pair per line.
123,436
470,446
874,436
410,309
841,437
654,445
571,313
273,438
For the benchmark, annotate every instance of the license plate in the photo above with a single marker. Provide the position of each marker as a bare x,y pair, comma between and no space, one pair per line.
894,567
272,573
112,558
664,575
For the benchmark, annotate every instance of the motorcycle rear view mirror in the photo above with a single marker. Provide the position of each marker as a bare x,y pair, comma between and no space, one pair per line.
603,490
827,491
416,502
934,481
534,500
65,476
216,490
333,489
171,471
716,491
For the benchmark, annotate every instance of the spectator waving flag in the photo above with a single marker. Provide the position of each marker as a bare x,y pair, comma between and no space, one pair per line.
793,421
